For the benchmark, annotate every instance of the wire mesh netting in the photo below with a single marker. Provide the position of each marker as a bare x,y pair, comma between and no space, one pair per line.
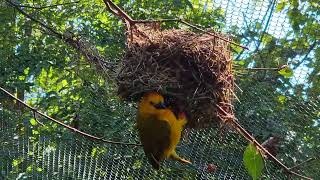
70,156
32,147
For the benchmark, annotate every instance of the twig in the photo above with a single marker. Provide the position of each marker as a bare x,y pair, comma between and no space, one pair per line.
258,69
199,29
57,34
68,38
50,6
250,138
302,163
65,125
192,26
36,119
113,8
265,69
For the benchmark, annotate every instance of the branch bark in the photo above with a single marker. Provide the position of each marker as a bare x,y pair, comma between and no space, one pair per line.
251,139
35,111
50,6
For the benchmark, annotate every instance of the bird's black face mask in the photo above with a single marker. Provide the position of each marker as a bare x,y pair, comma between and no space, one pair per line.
160,106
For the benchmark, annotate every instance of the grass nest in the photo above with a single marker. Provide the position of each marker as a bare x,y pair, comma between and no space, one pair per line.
193,69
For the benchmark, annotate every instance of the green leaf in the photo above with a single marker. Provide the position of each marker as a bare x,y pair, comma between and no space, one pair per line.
39,169
253,161
137,164
286,72
258,25
241,62
282,99
35,132
189,4
280,6
15,163
33,122
236,49
94,152
29,168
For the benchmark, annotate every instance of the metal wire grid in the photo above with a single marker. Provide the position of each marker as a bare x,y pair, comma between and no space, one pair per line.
72,158
69,156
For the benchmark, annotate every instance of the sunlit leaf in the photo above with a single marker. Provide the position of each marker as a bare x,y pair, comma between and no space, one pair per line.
282,99
35,132
286,72
253,161
280,6
39,169
94,152
33,122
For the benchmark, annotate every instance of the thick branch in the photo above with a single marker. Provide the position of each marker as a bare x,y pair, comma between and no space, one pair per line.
114,9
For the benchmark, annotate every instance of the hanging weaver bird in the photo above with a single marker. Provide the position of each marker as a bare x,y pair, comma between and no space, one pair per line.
159,129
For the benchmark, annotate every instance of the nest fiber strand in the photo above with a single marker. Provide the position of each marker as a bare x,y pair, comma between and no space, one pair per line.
193,69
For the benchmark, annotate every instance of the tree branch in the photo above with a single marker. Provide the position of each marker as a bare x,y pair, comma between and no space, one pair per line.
82,46
34,110
50,6
250,138
114,9
52,30
302,163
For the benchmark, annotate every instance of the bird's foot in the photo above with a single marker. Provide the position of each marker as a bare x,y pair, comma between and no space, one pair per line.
176,157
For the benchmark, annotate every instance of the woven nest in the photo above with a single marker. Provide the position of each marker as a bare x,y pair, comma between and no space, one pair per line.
190,68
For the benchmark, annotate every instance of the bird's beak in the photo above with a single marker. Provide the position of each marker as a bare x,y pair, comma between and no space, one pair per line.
160,106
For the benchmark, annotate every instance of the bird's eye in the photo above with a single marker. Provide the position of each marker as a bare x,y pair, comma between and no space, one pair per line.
152,103
160,105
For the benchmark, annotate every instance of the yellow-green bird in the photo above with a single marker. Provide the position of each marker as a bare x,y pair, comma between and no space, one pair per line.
159,129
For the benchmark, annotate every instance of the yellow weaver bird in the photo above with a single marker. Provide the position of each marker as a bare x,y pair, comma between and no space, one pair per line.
159,129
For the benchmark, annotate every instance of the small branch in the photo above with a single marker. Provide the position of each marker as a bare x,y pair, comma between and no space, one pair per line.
302,163
65,125
192,26
260,69
265,69
36,119
49,6
199,29
250,138
83,47
114,9
16,6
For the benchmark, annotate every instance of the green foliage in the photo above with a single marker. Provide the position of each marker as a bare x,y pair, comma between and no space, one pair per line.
253,161
53,77
286,72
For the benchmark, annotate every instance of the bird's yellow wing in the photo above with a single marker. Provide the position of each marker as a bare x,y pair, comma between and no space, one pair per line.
155,137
